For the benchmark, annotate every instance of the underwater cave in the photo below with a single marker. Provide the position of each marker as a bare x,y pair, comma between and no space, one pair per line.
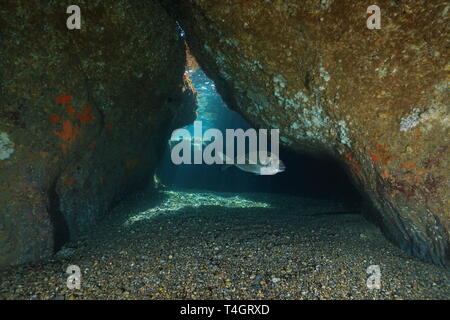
93,205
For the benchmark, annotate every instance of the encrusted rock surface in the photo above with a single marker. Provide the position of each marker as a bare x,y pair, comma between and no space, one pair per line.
84,114
377,100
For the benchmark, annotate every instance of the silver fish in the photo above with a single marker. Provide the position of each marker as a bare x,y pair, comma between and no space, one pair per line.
269,165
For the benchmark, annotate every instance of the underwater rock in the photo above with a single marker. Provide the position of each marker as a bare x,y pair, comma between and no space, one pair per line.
377,100
65,253
84,115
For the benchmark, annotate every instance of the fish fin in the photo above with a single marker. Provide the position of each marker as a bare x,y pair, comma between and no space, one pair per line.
225,167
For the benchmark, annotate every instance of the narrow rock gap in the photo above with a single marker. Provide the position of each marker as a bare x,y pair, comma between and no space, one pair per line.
96,122
61,233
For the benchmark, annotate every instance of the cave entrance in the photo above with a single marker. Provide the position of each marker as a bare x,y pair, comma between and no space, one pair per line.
304,176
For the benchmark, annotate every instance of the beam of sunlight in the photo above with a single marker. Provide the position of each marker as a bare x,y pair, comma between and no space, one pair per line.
176,201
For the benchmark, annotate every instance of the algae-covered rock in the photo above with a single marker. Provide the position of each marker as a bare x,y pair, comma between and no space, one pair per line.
377,100
83,116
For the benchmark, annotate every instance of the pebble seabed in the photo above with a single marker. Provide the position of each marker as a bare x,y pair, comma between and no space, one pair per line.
205,245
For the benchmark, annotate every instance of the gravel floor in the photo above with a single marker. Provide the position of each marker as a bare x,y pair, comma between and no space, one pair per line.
205,245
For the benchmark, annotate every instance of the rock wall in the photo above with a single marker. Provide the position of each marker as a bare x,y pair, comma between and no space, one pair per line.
84,114
377,100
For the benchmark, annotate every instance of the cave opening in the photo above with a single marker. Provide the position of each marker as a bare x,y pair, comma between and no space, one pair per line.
305,176
88,180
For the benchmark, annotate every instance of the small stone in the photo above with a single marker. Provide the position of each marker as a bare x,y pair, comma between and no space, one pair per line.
65,253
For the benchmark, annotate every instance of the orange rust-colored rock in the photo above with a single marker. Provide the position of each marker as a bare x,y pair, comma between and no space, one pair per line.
55,118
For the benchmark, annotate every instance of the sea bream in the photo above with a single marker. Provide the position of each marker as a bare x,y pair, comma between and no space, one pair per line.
269,165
